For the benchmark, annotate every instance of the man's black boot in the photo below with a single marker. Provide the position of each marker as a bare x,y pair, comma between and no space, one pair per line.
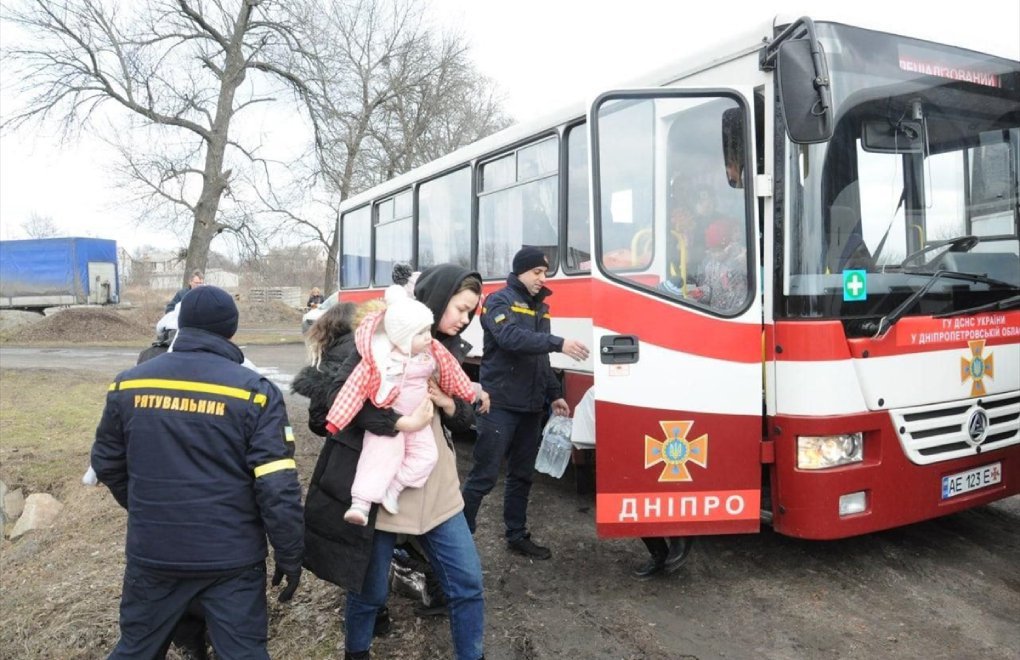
525,546
679,549
360,655
650,568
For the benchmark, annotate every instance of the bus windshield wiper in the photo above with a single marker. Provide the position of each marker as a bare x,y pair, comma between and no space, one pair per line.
890,319
997,306
955,274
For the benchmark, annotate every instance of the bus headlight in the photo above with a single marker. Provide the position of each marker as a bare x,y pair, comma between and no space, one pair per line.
818,452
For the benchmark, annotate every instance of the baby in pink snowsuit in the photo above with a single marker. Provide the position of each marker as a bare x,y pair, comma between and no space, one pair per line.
398,358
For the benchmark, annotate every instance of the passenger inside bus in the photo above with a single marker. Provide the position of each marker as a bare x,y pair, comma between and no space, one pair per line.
733,146
692,213
721,280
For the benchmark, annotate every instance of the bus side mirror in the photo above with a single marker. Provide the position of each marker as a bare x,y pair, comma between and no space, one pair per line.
804,92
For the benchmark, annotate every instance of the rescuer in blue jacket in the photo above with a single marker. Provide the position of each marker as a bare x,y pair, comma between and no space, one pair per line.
198,449
515,371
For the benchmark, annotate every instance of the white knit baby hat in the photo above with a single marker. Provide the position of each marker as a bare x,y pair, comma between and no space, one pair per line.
403,320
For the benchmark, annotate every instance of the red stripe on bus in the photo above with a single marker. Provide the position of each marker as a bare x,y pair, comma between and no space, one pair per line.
807,341
675,328
358,296
571,297
921,334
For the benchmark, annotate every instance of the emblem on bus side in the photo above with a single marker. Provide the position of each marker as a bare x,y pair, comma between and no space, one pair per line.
676,451
977,367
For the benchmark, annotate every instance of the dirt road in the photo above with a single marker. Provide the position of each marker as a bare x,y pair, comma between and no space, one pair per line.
943,589
949,588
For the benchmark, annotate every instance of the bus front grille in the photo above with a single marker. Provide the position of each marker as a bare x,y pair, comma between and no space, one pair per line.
934,433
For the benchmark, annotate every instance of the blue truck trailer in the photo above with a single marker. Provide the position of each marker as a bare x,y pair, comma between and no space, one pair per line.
47,272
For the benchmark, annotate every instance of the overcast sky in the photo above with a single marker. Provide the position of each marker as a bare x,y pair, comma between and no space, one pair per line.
543,53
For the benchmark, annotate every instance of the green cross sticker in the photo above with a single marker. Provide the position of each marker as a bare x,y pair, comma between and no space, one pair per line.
855,285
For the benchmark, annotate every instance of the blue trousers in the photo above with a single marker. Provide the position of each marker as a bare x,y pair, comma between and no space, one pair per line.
515,436
234,605
452,554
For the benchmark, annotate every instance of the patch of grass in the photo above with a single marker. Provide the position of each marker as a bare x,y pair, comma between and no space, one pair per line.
48,420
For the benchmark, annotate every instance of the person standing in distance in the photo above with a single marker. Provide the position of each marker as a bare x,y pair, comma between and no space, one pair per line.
197,279
315,299
515,371
199,451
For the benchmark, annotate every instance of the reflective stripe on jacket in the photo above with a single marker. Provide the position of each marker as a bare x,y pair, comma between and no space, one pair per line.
199,451
515,367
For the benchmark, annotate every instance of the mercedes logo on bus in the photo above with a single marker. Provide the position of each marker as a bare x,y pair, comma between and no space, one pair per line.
977,426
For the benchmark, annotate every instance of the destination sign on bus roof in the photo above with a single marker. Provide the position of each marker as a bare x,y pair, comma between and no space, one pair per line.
943,65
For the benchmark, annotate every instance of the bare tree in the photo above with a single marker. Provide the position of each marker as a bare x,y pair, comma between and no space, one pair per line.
388,94
443,104
178,70
286,266
39,226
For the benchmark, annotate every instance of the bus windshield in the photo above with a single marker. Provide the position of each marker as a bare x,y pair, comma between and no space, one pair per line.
920,176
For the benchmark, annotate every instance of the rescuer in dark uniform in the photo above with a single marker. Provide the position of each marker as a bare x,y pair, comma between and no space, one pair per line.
198,449
516,373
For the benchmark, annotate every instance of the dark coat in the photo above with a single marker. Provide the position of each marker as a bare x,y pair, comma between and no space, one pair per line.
176,299
515,356
335,550
191,441
319,383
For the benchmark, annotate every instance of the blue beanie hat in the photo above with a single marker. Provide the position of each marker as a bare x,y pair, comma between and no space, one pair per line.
209,308
529,257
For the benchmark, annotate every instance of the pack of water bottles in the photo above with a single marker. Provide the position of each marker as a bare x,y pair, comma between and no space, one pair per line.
556,449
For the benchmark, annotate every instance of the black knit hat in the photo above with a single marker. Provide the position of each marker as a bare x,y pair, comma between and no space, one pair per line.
529,257
402,272
209,308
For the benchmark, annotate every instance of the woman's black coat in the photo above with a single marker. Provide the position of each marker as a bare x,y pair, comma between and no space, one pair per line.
335,550
318,383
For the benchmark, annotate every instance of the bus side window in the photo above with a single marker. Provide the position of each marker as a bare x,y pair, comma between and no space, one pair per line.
356,248
628,239
518,205
578,257
706,238
444,219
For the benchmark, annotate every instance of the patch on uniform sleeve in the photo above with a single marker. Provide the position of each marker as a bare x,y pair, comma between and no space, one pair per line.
500,318
288,433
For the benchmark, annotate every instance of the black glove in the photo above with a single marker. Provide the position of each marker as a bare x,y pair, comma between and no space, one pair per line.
293,579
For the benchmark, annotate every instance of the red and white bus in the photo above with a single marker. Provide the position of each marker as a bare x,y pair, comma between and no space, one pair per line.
796,261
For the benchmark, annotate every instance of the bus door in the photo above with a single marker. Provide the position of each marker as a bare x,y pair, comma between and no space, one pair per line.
676,312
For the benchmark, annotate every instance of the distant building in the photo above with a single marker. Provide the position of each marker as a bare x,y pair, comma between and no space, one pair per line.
215,276
125,264
163,270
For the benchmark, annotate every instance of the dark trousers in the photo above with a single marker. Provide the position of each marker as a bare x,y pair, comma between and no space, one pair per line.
514,436
153,602
189,635
657,546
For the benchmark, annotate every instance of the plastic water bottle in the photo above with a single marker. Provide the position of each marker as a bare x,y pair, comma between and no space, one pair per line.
554,453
